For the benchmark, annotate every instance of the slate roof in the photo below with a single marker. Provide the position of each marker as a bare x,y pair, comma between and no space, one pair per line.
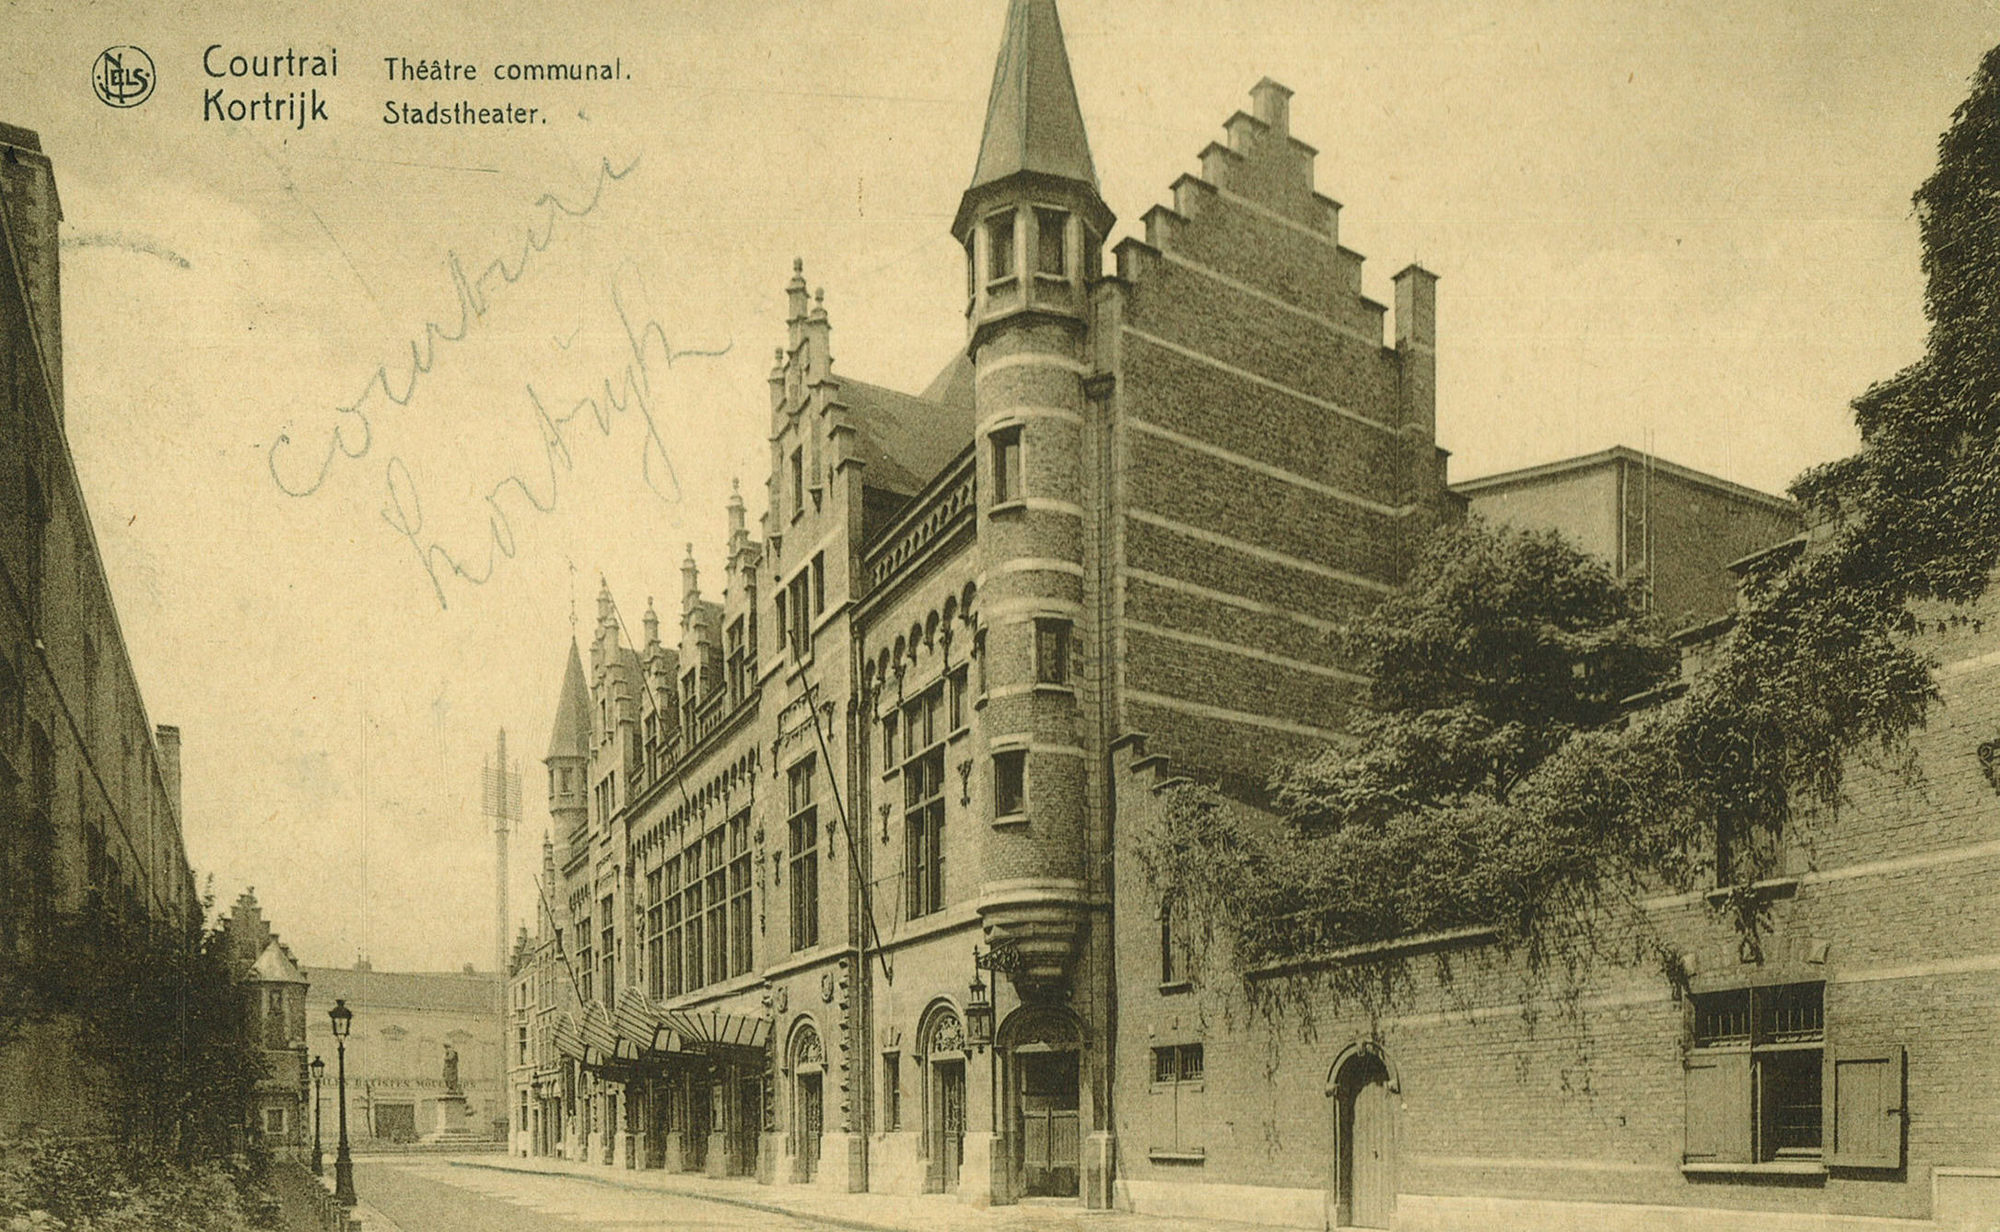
571,737
904,439
277,966
1033,122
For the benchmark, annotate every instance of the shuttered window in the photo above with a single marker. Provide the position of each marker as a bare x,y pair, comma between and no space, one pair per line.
1763,1087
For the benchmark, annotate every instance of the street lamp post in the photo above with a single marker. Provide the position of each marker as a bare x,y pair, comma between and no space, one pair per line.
318,1073
343,1162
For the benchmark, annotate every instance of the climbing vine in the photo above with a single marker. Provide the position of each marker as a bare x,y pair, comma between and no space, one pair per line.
1496,778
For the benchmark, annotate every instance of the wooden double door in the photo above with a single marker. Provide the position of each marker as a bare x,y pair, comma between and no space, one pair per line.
1048,1123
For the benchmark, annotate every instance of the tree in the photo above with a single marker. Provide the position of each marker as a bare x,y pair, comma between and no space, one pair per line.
1504,643
1486,783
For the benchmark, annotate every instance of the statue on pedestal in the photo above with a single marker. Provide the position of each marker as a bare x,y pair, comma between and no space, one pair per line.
451,1071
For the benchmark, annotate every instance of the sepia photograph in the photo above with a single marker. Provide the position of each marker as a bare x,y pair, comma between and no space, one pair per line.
1071,615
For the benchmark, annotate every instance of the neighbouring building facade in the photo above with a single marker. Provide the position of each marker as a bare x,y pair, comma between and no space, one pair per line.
1839,1070
790,818
90,790
424,1060
273,987
1668,530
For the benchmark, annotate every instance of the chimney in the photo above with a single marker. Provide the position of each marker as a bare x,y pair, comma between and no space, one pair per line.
169,740
29,212
1272,103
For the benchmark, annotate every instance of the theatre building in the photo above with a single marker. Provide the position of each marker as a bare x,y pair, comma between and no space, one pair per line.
829,899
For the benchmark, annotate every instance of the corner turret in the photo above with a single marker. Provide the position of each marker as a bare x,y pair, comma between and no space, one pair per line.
1032,222
568,757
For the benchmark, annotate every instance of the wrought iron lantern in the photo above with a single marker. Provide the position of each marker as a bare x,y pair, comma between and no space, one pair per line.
978,1008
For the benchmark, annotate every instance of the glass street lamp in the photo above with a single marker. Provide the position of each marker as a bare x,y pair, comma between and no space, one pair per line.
978,1009
318,1072
343,1161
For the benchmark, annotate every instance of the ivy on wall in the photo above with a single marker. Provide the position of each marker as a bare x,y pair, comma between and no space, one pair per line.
1494,779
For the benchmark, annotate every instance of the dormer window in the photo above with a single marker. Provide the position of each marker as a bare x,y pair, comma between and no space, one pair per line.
1052,243
1000,247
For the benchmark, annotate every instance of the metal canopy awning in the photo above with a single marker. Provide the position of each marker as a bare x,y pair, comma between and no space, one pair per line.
639,1030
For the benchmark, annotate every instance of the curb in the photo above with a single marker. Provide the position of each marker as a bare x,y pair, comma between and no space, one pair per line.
748,1204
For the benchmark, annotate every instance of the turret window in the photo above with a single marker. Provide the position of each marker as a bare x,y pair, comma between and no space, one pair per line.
1052,651
1052,243
1006,465
1000,247
1010,783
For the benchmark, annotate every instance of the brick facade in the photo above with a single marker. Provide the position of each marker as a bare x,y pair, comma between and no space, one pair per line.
1138,498
1525,1099
90,792
1666,529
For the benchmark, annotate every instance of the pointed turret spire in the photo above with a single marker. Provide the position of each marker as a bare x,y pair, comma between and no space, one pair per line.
571,737
1033,122
1033,152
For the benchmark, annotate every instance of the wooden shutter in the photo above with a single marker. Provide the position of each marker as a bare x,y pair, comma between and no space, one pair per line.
1863,1106
1718,1108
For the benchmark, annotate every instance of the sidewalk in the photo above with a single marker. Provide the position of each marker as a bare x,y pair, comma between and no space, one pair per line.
861,1212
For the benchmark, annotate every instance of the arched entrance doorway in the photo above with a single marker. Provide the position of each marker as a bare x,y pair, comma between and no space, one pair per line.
1364,1166
1043,1054
941,1049
808,1065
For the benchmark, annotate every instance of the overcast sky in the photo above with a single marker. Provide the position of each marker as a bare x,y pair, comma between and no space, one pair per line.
1676,224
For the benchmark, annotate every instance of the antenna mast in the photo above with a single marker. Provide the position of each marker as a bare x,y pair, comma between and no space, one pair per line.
502,801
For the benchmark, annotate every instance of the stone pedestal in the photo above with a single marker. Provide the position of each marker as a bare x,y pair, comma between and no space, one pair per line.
450,1120
770,1157
672,1159
718,1154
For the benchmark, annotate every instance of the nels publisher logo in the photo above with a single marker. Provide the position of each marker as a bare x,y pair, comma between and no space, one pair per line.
123,76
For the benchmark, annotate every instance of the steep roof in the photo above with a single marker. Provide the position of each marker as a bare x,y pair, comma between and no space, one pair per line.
571,737
904,439
277,966
1033,122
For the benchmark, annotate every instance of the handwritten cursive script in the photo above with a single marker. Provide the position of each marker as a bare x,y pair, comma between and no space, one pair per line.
352,433
630,391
